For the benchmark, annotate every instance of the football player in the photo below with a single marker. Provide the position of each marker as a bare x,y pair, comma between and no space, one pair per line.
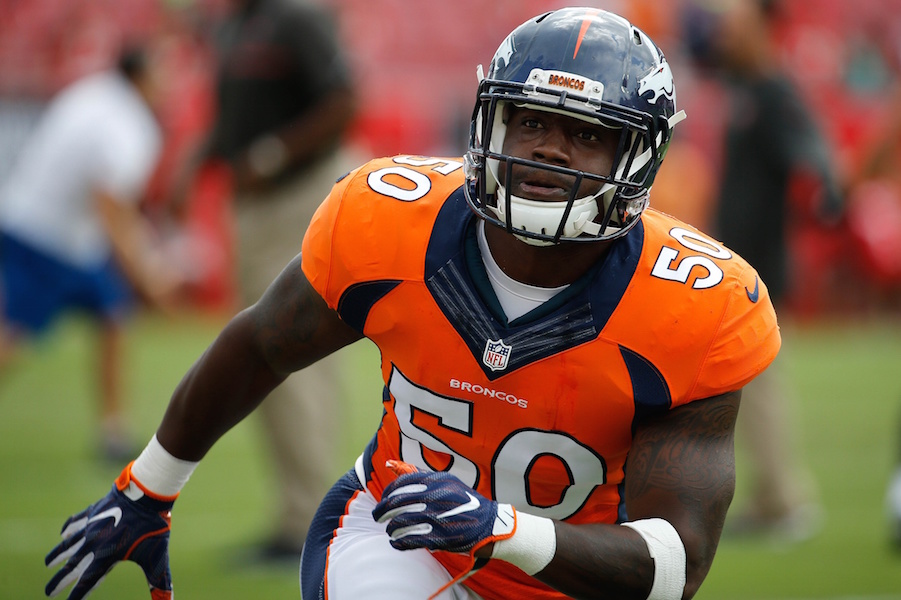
562,365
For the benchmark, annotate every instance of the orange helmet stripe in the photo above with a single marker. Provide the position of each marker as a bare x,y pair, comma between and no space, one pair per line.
586,23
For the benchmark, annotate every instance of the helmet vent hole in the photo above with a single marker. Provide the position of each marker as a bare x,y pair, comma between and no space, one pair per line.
636,37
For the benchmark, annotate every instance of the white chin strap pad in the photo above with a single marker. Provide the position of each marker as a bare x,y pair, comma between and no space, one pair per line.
544,217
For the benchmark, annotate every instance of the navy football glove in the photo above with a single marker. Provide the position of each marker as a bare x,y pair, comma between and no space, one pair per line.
113,529
439,512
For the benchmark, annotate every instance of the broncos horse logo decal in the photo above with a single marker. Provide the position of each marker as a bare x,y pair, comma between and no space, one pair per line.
659,81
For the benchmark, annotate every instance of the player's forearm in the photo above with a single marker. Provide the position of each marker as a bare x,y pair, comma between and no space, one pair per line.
288,329
677,494
227,383
592,561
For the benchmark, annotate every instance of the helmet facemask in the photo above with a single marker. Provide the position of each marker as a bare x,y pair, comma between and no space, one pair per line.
605,214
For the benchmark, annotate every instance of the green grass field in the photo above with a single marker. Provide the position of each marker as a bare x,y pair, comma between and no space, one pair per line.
848,376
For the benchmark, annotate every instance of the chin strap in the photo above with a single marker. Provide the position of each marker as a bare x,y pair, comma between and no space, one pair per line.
534,215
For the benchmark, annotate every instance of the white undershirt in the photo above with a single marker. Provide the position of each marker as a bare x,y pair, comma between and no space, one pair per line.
516,298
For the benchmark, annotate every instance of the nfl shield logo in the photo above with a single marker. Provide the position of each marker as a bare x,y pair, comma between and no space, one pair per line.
497,354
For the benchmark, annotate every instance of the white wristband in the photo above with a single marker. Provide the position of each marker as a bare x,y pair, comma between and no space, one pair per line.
666,549
531,547
160,472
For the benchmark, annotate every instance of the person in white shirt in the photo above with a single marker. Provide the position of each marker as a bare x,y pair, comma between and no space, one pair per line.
72,235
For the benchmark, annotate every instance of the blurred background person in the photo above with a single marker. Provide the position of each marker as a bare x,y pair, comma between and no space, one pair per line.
875,184
285,99
875,189
771,147
879,188
72,234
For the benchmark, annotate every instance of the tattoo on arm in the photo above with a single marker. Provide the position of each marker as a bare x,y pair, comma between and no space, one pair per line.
681,468
688,457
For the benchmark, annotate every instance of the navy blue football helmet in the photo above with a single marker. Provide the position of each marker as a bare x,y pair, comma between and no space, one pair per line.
591,65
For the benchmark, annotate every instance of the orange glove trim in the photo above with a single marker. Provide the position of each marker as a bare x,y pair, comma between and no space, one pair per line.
125,477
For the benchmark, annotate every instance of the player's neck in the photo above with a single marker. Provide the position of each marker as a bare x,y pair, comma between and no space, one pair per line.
543,266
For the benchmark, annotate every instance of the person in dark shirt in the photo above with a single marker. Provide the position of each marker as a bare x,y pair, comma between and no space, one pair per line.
770,138
285,98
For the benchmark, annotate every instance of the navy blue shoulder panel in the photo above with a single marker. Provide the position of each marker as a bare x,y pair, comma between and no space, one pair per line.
610,282
650,392
448,232
358,300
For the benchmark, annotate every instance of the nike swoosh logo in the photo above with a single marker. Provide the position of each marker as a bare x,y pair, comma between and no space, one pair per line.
755,295
115,513
469,506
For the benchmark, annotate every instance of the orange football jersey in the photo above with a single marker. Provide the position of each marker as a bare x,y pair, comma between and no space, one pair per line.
538,412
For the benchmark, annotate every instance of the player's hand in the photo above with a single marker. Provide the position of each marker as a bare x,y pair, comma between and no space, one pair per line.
439,512
113,529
